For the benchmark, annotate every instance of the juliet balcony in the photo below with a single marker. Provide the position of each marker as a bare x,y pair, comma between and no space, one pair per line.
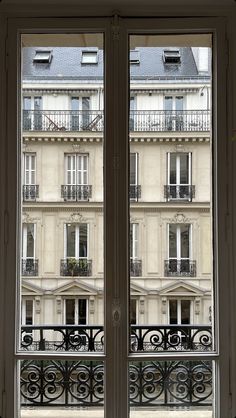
29,267
74,193
30,192
180,267
179,192
76,267
139,120
135,267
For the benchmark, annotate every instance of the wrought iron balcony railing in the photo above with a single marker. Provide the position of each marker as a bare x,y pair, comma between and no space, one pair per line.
135,267
134,192
80,383
62,120
179,192
30,192
76,267
169,120
145,338
29,267
76,193
140,120
183,267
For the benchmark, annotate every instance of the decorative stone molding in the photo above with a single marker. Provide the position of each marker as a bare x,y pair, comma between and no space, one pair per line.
142,305
91,305
77,218
163,305
26,218
58,305
37,305
197,306
179,218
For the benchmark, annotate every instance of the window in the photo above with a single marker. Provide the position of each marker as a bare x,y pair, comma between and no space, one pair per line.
27,312
30,188
179,177
76,312
180,311
76,178
135,188
76,262
171,56
133,311
81,117
89,57
29,262
32,113
173,108
42,57
180,262
135,263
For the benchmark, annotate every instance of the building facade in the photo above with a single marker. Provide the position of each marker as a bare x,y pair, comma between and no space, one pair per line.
171,275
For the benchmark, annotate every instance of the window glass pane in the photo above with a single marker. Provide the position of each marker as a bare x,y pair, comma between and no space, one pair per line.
30,241
70,311
82,311
70,240
28,312
173,312
184,168
173,169
83,239
133,158
184,231
185,311
173,241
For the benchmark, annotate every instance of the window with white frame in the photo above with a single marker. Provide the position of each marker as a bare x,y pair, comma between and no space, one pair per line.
29,262
179,177
180,311
76,178
135,190
32,113
81,116
76,311
135,262
89,57
76,241
179,261
30,188
173,108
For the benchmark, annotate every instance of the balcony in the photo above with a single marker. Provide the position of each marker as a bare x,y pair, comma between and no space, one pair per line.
29,267
30,192
73,193
179,192
80,383
139,121
183,267
63,120
164,121
76,267
134,192
135,267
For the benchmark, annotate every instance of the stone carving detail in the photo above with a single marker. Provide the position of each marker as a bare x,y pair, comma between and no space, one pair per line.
179,218
76,218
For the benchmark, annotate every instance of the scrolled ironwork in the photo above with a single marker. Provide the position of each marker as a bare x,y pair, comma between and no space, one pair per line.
76,193
30,192
29,267
179,192
180,267
76,267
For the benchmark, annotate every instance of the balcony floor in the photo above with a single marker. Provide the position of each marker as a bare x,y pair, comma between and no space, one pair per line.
94,413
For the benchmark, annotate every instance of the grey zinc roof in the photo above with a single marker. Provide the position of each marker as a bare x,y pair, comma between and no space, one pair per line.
66,65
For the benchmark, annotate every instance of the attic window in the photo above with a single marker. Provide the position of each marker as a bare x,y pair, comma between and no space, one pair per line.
42,57
134,57
89,57
171,56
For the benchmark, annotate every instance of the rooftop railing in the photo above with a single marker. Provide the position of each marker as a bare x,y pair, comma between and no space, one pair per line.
139,120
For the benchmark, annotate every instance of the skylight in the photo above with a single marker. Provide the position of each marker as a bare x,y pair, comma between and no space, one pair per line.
89,57
171,56
42,57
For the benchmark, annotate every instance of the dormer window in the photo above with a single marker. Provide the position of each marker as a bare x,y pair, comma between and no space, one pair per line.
134,57
89,57
171,56
42,57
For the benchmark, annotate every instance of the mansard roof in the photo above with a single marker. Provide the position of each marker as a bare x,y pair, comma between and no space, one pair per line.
65,64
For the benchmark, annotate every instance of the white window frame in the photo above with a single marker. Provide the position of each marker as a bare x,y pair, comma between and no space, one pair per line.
117,336
24,241
135,241
178,169
136,154
76,170
77,240
179,316
76,300
30,155
178,242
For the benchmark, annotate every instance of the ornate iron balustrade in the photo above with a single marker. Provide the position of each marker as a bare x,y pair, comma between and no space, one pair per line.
140,120
135,267
170,337
144,338
62,337
30,192
179,192
80,383
76,193
62,120
134,192
76,267
29,267
183,267
170,120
